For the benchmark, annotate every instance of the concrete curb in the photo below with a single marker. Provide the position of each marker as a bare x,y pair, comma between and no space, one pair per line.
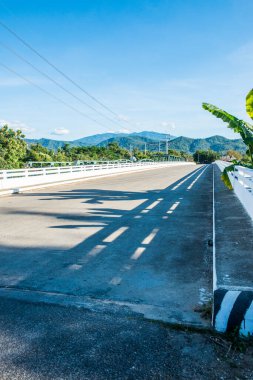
149,312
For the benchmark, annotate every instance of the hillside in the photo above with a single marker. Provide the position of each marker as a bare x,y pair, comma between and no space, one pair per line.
96,139
216,143
47,143
138,140
135,141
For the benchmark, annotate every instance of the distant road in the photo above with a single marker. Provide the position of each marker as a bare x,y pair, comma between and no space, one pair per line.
139,239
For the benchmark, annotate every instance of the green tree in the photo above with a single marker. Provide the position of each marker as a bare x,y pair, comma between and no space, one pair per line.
37,152
205,156
234,154
12,148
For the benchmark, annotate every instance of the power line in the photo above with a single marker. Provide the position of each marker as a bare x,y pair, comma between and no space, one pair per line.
55,82
50,94
29,46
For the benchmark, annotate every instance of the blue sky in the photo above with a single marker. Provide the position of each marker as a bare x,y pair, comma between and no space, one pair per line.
152,62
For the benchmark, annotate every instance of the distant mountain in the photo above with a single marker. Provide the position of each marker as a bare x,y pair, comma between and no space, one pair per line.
135,140
216,143
153,135
47,143
96,139
138,140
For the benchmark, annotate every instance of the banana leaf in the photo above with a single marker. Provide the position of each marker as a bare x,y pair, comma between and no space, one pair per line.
249,104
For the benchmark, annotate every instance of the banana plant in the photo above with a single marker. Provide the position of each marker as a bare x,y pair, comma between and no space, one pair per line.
239,126
249,104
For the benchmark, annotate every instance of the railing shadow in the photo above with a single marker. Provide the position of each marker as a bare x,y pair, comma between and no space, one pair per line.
121,241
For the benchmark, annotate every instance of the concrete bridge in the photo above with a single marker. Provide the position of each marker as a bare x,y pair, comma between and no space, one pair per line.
142,240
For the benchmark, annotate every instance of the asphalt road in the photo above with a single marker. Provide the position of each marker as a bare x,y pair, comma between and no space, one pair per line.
118,249
139,240
45,342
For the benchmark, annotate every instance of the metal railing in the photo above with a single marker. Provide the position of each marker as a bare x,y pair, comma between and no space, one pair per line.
11,181
47,171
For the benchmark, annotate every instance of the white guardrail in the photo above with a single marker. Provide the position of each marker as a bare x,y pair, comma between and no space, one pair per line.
242,181
15,180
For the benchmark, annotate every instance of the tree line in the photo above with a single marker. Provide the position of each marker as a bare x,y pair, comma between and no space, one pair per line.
16,153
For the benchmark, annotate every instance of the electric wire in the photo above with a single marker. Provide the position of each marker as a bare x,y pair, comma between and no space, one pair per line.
50,94
29,46
55,82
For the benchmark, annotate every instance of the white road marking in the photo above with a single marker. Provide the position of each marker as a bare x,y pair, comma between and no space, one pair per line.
180,183
214,243
173,207
196,179
138,252
115,235
96,250
154,204
150,237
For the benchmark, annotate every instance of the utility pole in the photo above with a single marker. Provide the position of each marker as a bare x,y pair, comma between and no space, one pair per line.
166,147
167,144
131,150
145,149
159,146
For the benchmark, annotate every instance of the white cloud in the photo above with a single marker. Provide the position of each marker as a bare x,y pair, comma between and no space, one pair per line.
168,125
60,131
123,130
123,118
16,124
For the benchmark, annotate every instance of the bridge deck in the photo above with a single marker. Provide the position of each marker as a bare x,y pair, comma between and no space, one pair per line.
138,239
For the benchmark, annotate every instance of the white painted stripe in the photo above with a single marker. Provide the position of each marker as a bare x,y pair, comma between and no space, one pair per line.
214,242
173,207
115,235
150,237
196,179
225,310
115,281
247,325
96,250
153,205
180,183
93,253
139,251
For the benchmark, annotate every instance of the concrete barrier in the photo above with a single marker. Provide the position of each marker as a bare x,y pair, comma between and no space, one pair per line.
233,252
242,181
18,180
